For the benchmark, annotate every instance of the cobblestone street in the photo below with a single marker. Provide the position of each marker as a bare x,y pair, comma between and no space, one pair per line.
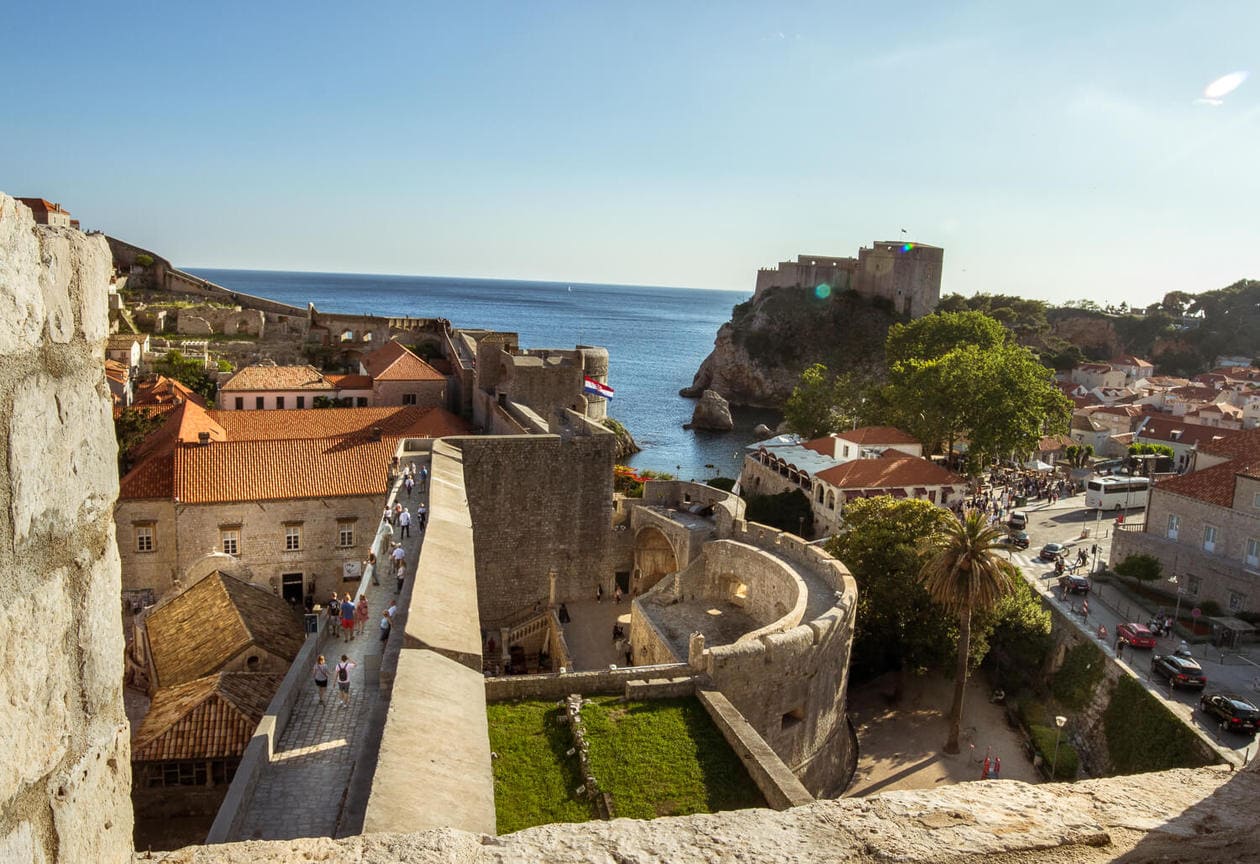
302,791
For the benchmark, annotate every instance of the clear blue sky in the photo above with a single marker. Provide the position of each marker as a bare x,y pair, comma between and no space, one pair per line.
1055,151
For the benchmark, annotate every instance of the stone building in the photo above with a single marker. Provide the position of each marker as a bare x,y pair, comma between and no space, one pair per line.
1095,375
1204,526
908,275
293,496
50,214
862,462
399,377
267,386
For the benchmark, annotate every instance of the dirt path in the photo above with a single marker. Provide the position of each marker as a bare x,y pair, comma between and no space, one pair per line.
900,745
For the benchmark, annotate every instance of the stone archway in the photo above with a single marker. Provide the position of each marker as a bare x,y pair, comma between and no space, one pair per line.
654,558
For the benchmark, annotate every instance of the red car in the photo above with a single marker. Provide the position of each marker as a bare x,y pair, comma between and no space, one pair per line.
1136,635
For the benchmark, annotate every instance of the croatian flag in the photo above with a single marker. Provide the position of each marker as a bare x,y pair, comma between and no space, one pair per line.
591,387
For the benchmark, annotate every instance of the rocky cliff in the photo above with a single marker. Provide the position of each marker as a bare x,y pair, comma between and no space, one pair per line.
759,355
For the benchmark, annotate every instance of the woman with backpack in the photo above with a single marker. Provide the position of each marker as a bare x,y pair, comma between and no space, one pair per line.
343,679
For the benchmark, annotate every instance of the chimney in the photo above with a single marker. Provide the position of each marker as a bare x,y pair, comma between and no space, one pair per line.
203,438
376,433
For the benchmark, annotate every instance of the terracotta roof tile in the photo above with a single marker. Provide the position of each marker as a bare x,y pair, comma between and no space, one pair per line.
1214,485
351,382
398,421
394,362
161,390
255,378
890,471
1176,430
198,630
212,717
872,435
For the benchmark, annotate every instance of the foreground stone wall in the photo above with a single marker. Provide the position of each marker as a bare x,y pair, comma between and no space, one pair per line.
65,778
1204,815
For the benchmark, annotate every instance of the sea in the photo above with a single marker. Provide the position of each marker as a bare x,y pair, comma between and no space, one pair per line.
656,339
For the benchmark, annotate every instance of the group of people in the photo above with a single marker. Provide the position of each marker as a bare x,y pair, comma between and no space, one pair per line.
354,624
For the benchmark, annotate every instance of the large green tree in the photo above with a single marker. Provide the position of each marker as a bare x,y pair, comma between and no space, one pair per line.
966,573
189,372
883,545
960,374
823,403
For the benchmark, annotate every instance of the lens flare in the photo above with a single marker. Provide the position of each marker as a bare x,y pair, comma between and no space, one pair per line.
823,291
1215,93
906,247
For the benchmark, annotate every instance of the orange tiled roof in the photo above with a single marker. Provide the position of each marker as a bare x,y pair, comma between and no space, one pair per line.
1130,360
116,371
161,390
890,471
274,455
1177,431
873,435
213,717
394,362
255,378
351,382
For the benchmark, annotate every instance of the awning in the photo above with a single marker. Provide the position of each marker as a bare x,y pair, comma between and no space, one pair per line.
1037,465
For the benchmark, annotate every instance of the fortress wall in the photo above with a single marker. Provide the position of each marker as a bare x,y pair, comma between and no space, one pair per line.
774,597
555,685
539,502
65,782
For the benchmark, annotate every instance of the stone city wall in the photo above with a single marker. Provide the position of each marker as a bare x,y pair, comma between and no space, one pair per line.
538,503
773,594
66,781
776,782
557,685
205,320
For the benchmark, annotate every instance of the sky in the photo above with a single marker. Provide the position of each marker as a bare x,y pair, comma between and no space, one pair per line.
1055,150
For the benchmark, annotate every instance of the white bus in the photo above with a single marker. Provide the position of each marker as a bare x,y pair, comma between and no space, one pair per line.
1117,493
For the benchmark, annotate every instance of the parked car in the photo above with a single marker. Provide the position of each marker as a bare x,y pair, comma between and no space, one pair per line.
1179,671
1235,713
1053,552
1018,521
1137,635
1074,583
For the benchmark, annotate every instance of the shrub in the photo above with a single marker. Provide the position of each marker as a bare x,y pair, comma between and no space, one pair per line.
1074,683
1144,568
726,484
143,260
1067,762
784,511
1143,735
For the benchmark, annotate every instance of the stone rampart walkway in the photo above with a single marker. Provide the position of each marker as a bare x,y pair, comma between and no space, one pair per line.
302,792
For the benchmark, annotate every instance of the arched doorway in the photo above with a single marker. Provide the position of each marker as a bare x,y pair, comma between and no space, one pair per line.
653,558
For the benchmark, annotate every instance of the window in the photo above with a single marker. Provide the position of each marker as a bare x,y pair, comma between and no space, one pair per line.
1174,525
144,538
301,401
1255,502
1237,602
409,398
292,538
231,540
1209,538
258,403
345,534
279,401
1192,586
1253,552
362,402
240,403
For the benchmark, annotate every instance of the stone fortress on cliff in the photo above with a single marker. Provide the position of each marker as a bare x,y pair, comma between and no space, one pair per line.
780,668
907,275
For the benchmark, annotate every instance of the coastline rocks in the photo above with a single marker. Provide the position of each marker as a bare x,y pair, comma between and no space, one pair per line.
761,432
712,412
626,445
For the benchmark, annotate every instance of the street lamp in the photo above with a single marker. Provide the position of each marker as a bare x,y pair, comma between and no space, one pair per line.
1177,612
1059,721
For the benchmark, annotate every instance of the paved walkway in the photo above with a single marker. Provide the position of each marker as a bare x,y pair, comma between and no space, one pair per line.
589,633
302,792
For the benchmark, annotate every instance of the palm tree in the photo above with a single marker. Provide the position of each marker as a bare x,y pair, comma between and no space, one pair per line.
965,574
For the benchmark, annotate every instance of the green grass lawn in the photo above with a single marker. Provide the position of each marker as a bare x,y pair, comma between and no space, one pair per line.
656,758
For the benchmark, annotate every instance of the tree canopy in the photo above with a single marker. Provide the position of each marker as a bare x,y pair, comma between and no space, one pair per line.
189,372
959,374
822,403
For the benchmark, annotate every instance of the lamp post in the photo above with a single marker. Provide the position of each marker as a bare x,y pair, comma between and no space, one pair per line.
1176,612
1059,721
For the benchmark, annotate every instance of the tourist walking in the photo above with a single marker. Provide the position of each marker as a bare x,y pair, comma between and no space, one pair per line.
404,522
372,564
385,625
334,614
343,679
424,479
398,509
320,674
401,575
408,484
347,619
422,515
617,594
361,616
1085,609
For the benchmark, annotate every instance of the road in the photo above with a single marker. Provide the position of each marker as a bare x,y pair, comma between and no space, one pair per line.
1065,522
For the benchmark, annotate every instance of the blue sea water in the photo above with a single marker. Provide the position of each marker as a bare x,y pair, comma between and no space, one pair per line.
656,339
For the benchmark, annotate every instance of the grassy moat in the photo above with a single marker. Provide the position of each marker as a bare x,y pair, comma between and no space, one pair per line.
655,758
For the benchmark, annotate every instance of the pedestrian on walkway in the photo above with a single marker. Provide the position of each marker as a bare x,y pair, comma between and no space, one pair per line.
347,619
334,615
343,679
424,479
385,516
398,509
404,522
385,626
372,564
402,575
996,773
399,555
393,609
320,674
617,594
361,616
1085,609
422,515
408,484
